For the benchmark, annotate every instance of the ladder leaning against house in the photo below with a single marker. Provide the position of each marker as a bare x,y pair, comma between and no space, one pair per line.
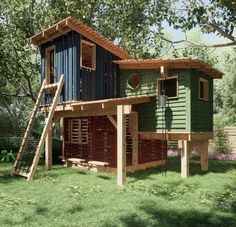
26,162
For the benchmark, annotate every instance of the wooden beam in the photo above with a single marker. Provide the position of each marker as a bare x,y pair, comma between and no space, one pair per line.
164,71
46,36
185,159
121,146
48,149
189,136
87,113
59,29
112,120
107,103
204,155
133,128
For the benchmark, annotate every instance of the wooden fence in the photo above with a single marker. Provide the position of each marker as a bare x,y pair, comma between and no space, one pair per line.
231,131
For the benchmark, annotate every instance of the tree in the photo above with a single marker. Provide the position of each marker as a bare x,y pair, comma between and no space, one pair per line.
227,91
218,17
136,25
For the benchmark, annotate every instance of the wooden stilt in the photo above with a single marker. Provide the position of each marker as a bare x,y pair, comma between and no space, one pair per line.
185,159
204,155
48,149
133,128
121,146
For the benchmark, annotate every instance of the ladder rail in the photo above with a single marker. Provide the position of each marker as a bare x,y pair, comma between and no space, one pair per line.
48,121
29,126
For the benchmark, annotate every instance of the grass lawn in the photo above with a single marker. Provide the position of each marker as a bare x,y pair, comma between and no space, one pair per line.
69,197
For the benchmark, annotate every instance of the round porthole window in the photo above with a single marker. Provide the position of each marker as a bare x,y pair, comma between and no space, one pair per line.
134,81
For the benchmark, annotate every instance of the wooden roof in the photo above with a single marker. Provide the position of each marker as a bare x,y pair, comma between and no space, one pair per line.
178,63
71,23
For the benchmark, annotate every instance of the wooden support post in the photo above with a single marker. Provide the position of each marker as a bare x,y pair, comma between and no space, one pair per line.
133,128
112,120
204,155
121,146
185,159
48,149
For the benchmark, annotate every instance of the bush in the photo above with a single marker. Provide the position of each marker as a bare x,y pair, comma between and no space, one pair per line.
7,156
10,143
221,141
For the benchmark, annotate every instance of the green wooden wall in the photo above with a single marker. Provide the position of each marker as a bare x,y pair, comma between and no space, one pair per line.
150,114
201,110
184,114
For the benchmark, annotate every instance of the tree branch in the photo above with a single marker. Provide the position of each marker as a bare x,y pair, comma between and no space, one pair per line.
14,95
212,23
199,44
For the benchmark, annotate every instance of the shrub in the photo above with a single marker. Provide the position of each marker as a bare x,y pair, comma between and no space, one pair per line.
221,141
7,156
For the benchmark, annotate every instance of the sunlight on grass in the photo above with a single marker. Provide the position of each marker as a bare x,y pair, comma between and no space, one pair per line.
70,197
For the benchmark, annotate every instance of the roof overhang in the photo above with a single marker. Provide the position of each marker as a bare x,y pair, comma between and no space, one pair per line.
178,63
69,24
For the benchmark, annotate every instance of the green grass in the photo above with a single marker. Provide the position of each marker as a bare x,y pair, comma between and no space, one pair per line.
69,197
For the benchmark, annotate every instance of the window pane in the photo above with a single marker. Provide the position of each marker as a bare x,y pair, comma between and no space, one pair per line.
201,89
170,87
88,55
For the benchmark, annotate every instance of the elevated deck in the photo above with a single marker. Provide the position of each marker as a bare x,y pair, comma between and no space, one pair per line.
96,108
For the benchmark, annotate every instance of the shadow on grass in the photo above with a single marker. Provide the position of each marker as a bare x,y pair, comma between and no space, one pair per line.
104,177
174,165
133,220
5,174
41,210
57,171
75,209
158,216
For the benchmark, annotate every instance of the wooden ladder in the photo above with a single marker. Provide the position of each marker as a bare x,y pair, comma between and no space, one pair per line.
30,172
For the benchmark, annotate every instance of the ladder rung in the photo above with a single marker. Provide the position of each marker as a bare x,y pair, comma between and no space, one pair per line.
20,173
50,86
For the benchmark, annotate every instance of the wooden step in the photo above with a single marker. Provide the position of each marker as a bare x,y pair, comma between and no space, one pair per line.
98,163
20,173
76,160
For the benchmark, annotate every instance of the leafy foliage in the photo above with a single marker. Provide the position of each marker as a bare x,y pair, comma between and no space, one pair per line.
221,140
136,25
7,156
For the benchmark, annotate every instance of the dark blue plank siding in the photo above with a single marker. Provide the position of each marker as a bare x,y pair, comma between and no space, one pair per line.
103,83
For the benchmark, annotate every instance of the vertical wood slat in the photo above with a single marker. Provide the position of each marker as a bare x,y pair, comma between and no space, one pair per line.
78,74
121,146
74,66
70,65
42,50
133,128
66,90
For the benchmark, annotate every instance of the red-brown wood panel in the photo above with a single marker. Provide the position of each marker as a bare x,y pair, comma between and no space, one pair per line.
102,144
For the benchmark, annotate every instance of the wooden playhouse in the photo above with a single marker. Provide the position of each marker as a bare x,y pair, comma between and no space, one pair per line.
116,114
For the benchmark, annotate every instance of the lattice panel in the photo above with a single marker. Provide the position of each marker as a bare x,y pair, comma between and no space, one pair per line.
75,131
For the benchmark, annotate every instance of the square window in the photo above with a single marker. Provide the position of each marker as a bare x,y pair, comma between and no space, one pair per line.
203,91
169,87
88,55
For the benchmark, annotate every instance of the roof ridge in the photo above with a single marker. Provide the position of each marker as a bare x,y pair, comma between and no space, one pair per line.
71,23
